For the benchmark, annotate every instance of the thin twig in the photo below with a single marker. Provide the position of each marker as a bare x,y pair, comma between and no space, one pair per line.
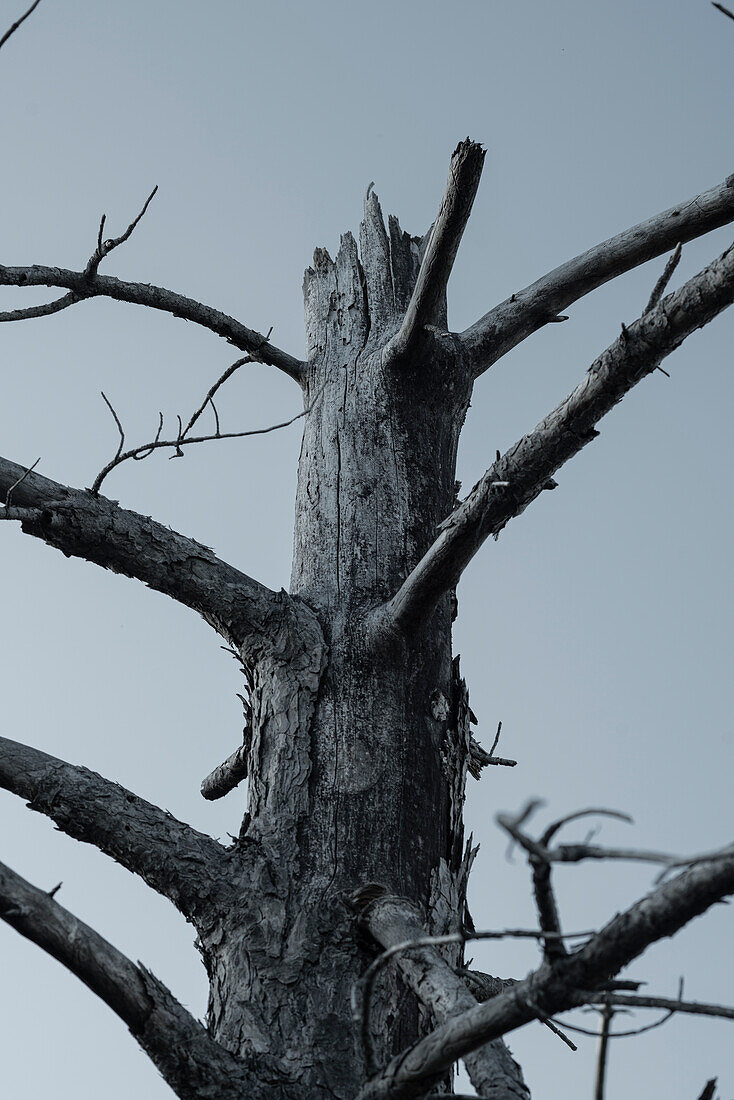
601,1065
119,425
362,990
18,22
210,394
661,284
21,479
105,247
592,811
719,7
691,1008
180,442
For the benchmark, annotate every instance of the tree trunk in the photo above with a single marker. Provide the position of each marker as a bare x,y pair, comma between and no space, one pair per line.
357,766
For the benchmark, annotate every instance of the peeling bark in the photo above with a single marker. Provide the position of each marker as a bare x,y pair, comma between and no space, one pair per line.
189,868
358,738
81,524
194,1066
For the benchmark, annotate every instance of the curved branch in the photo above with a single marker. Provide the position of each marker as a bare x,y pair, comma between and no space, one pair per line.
44,310
428,301
188,1058
520,475
184,865
92,285
243,611
17,23
518,317
559,986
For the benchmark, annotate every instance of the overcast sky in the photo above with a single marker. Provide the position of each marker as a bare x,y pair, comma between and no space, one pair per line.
598,627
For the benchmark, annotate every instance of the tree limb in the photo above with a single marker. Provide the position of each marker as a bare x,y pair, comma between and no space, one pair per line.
89,284
190,1061
520,475
668,1004
428,301
392,921
227,775
183,439
184,865
559,986
242,610
17,23
518,317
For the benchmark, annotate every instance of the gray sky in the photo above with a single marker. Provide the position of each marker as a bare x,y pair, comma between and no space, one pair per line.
598,626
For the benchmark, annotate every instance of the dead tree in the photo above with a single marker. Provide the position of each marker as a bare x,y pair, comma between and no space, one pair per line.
357,735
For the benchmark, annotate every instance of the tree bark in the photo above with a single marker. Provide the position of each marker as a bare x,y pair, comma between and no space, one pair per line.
358,735
358,773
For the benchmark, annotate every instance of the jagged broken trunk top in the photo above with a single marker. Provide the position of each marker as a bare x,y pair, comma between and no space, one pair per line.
359,751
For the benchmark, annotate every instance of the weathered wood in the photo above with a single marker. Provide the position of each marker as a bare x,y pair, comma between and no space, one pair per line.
191,869
89,284
427,305
227,775
492,1069
558,987
362,784
513,320
526,469
194,1066
80,524
359,737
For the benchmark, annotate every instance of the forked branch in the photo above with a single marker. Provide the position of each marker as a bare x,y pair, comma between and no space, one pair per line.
518,317
184,438
184,865
520,475
392,921
188,1058
90,284
428,300
555,987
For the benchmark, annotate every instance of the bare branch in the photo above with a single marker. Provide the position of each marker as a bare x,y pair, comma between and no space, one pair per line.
189,1060
119,428
92,285
428,302
479,759
560,986
226,776
668,1004
662,283
105,247
591,811
393,921
184,865
719,7
80,524
513,320
183,439
44,310
19,481
520,475
601,1065
18,22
